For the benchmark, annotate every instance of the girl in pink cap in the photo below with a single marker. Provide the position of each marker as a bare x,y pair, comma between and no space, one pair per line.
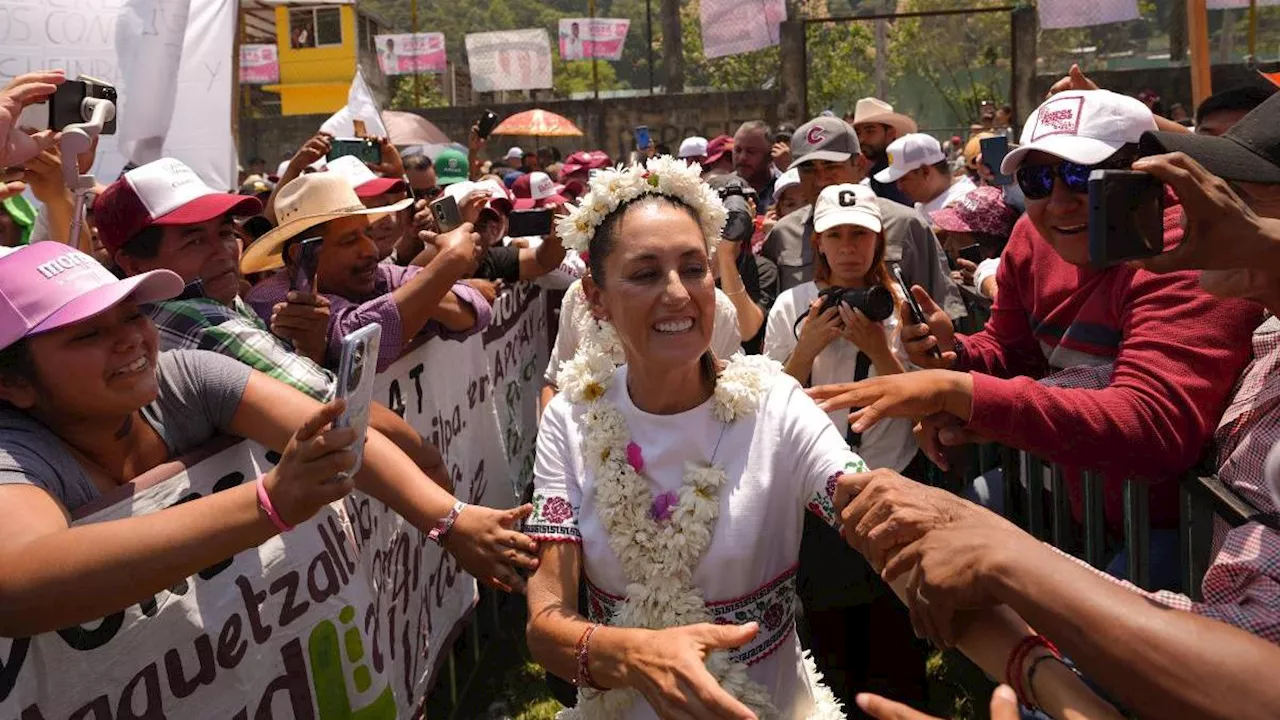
87,404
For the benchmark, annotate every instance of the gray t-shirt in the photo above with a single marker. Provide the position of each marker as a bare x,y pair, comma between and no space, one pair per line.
199,394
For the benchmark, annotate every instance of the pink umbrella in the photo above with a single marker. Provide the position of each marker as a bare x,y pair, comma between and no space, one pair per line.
406,128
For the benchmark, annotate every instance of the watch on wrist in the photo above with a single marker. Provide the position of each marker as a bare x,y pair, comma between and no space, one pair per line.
445,524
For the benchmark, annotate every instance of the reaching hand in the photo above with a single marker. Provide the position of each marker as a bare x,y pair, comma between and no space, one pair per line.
964,275
781,154
472,204
1004,706
1075,80
905,395
311,151
668,668
11,183
303,319
16,145
935,434
918,339
44,175
486,288
1212,212
308,476
392,166
463,243
486,545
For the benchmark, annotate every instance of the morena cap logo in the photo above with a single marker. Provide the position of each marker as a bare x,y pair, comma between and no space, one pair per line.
815,135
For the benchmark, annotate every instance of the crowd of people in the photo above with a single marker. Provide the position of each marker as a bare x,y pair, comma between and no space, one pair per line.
758,379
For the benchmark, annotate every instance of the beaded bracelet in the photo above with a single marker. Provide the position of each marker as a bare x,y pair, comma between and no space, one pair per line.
264,502
582,652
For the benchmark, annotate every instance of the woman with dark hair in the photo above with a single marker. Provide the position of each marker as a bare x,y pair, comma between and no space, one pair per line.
87,404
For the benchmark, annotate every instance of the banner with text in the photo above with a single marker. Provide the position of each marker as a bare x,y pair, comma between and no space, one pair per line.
509,60
728,30
346,616
259,64
407,53
585,38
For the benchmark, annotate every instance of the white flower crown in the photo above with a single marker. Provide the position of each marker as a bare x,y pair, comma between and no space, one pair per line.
663,175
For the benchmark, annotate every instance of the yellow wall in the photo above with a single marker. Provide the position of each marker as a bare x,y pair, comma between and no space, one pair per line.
315,80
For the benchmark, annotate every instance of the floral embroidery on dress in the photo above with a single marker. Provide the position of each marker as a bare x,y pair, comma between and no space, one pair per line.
823,504
552,519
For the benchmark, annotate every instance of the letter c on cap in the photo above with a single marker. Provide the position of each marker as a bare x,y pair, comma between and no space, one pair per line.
848,198
815,135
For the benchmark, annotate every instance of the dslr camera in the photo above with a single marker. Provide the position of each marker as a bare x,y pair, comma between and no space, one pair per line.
741,223
876,302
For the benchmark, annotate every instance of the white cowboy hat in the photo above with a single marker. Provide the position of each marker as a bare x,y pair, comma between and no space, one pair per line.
873,110
306,202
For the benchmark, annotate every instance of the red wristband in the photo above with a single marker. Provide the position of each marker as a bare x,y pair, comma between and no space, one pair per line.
264,502
582,652
1013,670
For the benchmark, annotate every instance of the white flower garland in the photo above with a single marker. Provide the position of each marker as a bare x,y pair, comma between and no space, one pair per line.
663,175
659,557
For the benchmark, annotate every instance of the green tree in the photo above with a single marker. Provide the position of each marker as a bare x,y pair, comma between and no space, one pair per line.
409,92
574,76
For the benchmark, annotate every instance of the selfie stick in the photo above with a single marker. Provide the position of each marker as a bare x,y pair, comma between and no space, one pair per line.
75,140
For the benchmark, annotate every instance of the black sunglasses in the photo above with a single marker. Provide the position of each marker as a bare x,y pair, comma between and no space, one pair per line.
427,194
1036,181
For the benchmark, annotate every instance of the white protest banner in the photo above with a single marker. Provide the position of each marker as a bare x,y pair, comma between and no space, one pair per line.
586,38
200,133
361,105
344,617
729,29
509,60
1056,14
407,53
1236,4
259,64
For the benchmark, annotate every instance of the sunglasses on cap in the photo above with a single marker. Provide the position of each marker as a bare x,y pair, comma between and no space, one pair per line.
1036,181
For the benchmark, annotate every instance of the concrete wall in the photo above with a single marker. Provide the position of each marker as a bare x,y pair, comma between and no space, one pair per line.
608,124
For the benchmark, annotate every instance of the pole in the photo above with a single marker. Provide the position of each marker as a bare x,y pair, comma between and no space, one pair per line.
882,61
417,79
648,38
591,22
1198,36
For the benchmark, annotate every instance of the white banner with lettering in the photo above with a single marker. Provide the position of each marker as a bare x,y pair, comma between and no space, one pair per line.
729,29
169,59
509,60
345,616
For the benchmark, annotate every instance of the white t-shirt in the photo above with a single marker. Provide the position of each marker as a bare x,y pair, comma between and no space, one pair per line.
575,314
958,189
891,443
779,463
986,269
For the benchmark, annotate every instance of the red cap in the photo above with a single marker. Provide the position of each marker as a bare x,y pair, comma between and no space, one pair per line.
164,192
543,191
716,148
580,160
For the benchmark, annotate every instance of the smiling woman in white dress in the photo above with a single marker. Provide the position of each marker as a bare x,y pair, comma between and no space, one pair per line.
677,483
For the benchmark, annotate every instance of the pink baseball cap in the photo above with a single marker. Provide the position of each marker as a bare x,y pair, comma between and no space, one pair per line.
164,192
582,160
543,191
981,211
363,180
48,285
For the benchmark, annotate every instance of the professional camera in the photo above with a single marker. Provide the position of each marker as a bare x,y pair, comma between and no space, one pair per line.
876,302
734,192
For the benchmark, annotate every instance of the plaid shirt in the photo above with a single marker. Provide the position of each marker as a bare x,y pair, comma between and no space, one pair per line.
1242,585
235,331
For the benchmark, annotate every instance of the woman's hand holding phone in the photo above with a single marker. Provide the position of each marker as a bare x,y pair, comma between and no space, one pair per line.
308,476
936,332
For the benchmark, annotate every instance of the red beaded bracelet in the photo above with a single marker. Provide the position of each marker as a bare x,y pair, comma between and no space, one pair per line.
582,652
1013,669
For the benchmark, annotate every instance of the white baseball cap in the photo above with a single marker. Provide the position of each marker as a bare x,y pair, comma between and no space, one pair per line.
908,153
693,147
846,204
515,153
362,179
1082,126
788,179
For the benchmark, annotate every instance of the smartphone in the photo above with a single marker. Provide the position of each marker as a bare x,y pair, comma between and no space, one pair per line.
1126,216
367,150
993,151
445,211
972,253
356,373
488,121
66,106
642,137
305,263
917,312
529,223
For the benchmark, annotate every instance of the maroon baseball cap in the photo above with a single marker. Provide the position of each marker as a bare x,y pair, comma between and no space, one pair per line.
543,191
718,146
981,211
364,181
164,192
582,160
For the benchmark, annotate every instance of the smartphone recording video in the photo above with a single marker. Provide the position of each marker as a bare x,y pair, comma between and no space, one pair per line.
67,107
488,121
445,211
529,223
993,151
304,264
366,150
1126,216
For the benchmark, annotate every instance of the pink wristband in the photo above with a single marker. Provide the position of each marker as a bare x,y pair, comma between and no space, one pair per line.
264,502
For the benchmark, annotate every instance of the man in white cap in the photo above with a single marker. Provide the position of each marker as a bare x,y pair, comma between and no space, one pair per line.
921,171
1139,365
877,126
693,149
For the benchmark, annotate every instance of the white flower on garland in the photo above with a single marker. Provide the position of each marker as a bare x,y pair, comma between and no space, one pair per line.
663,175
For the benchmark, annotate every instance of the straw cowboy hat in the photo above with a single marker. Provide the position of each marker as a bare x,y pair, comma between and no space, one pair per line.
309,201
873,110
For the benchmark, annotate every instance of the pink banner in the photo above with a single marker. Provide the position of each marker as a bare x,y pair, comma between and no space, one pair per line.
259,65
407,53
585,38
728,30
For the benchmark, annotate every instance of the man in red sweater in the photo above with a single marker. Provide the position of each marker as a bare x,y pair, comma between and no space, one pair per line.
1117,370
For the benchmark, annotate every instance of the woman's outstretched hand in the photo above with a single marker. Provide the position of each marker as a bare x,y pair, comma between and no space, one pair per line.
667,668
